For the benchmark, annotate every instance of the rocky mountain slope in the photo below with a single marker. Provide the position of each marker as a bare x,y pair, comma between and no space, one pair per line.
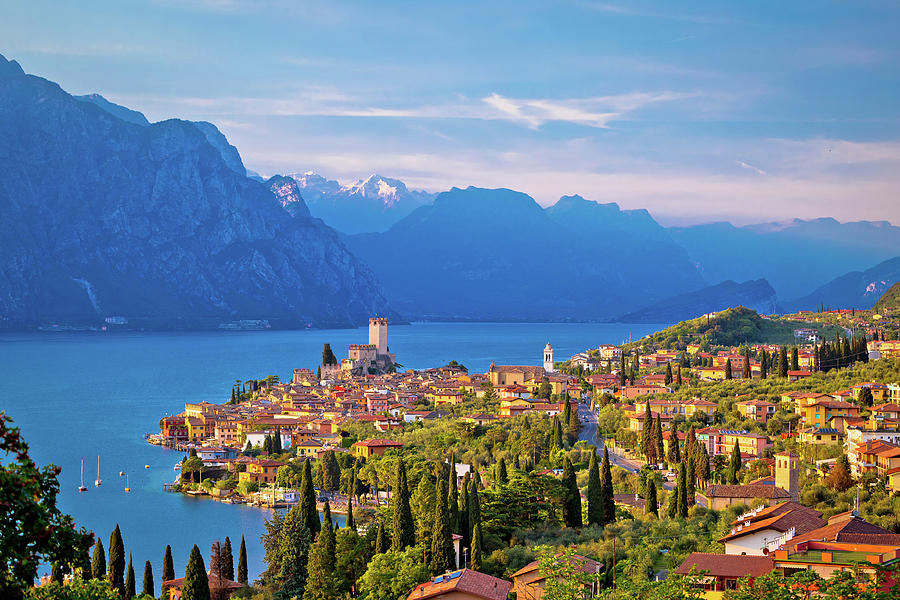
857,289
154,222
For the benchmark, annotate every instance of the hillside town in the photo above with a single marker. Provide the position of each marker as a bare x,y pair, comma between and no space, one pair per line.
762,440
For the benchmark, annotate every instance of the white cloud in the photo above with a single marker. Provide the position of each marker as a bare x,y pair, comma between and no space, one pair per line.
750,167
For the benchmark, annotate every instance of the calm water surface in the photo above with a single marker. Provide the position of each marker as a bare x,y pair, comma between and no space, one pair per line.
77,395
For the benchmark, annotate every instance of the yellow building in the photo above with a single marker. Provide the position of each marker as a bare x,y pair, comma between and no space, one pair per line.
369,448
514,374
818,413
815,435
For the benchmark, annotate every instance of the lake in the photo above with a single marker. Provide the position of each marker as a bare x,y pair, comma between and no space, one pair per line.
80,395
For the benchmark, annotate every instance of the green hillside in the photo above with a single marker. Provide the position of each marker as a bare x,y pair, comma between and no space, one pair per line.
890,300
731,327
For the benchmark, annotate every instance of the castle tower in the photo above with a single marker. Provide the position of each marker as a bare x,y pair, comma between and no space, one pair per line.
787,474
378,334
548,358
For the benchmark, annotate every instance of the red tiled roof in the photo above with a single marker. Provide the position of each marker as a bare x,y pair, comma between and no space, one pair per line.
726,565
849,528
586,564
377,443
466,581
745,491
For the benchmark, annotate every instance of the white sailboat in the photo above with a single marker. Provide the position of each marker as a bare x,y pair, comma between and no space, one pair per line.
127,488
81,487
98,481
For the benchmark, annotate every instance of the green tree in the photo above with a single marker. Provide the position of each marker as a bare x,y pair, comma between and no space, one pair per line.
98,561
674,454
682,491
32,528
606,490
148,588
196,583
321,583
331,472
77,589
648,448
475,537
287,553
56,574
130,585
734,464
865,397
728,374
572,505
242,563
309,515
227,560
763,365
594,493
391,575
502,477
678,376
668,379
117,561
168,570
352,556
328,357
795,360
403,534
442,554
563,573
476,546
652,502
658,440
782,362
690,480
453,495
556,434
701,464
381,541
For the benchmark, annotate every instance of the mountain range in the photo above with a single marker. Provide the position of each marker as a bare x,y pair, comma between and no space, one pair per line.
163,224
107,215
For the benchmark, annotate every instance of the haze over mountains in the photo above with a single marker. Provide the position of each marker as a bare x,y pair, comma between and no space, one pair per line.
161,223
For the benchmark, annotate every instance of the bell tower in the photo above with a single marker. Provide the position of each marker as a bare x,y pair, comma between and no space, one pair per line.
548,358
787,473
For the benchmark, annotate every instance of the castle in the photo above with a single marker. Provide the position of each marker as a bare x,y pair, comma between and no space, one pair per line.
362,359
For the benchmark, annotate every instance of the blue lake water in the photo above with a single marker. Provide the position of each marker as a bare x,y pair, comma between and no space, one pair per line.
77,395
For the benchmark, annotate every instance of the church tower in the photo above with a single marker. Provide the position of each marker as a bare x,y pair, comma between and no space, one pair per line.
787,473
378,335
548,358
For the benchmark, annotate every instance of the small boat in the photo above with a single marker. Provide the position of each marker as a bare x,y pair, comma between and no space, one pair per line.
146,466
98,481
121,473
177,467
127,489
81,487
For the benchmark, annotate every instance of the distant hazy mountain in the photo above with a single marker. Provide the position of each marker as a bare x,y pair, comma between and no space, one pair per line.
857,289
126,114
757,295
287,192
369,205
157,223
479,254
795,256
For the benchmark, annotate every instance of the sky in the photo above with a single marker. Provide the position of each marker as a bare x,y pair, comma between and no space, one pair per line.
698,111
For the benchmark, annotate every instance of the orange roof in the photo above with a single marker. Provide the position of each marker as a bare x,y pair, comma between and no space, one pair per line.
474,583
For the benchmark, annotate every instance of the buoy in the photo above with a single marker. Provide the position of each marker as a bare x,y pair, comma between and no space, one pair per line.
146,466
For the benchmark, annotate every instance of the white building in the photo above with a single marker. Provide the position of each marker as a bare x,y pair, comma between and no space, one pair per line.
548,359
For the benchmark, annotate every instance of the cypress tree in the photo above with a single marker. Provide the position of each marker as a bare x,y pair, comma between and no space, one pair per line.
476,546
117,561
196,583
475,520
690,482
168,570
606,490
727,368
745,371
682,490
795,360
56,573
669,378
782,362
674,455
516,464
320,579
567,411
647,446
572,503
309,515
404,531
381,544
130,586
555,434
98,561
701,468
242,563
350,523
453,496
678,376
734,464
652,502
148,587
622,372
672,505
502,475
594,493
763,365
658,440
227,560
463,525
442,555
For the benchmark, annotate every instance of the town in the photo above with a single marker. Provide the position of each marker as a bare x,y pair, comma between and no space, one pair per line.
775,458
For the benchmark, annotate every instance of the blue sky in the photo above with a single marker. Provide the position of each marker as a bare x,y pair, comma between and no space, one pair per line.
698,111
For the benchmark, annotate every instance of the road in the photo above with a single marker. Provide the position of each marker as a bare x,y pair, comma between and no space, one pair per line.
590,435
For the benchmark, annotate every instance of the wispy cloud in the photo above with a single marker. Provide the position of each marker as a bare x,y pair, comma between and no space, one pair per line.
632,9
750,167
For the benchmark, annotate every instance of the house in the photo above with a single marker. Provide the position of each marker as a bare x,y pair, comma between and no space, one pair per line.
819,436
879,390
786,487
722,441
464,584
818,413
798,375
762,530
513,374
720,572
887,411
479,419
633,391
757,410
529,583
308,448
374,447
227,586
260,470
631,502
